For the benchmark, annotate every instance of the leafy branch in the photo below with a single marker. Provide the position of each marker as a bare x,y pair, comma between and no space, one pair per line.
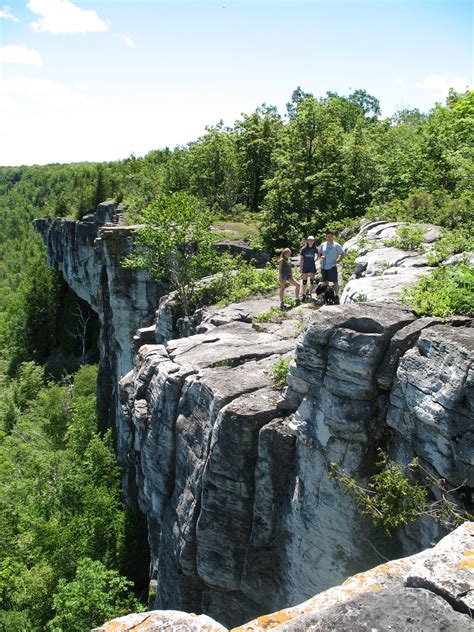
392,499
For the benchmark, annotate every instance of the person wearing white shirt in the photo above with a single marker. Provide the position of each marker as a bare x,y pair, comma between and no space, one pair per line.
330,253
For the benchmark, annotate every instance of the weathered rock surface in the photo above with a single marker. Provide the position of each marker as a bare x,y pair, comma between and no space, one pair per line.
233,477
156,620
383,271
201,425
432,590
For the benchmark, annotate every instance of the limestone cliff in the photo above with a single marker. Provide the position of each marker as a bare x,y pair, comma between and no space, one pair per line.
233,478
232,475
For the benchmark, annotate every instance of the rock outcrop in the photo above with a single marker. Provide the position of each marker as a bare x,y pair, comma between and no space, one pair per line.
233,477
433,590
211,453
381,270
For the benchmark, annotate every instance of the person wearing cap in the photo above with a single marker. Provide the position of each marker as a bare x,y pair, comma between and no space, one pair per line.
308,256
330,253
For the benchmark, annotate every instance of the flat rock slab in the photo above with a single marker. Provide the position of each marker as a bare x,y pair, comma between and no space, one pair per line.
449,571
385,597
384,288
154,620
400,610
227,345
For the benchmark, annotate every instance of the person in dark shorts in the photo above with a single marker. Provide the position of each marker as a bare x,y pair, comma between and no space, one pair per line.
330,253
285,275
308,256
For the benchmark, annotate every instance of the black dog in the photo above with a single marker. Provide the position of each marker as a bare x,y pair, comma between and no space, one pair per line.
325,295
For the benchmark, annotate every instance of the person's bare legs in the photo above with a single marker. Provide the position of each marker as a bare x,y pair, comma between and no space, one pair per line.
308,281
282,290
297,288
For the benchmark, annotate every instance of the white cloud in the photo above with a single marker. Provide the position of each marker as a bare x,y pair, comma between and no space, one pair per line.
18,54
21,91
128,41
400,81
439,85
6,14
62,16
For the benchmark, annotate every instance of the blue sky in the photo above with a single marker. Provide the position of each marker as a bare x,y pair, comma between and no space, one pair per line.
100,79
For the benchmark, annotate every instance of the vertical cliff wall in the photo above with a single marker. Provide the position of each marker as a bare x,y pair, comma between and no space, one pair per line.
88,253
242,515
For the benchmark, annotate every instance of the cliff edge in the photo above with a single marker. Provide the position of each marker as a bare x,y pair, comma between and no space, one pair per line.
432,590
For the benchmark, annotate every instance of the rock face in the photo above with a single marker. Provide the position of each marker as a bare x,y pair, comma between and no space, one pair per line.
382,271
89,255
432,590
233,477
212,455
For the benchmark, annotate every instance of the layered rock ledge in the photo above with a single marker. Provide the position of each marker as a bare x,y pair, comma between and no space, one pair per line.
433,590
233,477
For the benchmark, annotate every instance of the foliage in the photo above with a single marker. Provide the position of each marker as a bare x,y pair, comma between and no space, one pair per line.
273,315
408,237
237,281
176,245
213,168
60,502
446,291
279,372
93,596
348,267
392,498
256,137
452,242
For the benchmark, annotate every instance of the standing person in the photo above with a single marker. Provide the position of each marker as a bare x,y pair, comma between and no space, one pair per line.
330,253
308,256
285,274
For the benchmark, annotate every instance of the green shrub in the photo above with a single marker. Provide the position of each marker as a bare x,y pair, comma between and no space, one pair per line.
390,499
274,314
393,498
452,242
408,237
448,290
279,372
238,284
348,268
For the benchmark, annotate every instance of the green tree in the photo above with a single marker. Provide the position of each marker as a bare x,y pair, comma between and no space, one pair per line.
307,187
93,596
176,245
369,104
257,137
213,168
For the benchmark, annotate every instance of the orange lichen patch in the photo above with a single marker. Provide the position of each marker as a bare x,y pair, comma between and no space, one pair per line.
468,561
267,622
